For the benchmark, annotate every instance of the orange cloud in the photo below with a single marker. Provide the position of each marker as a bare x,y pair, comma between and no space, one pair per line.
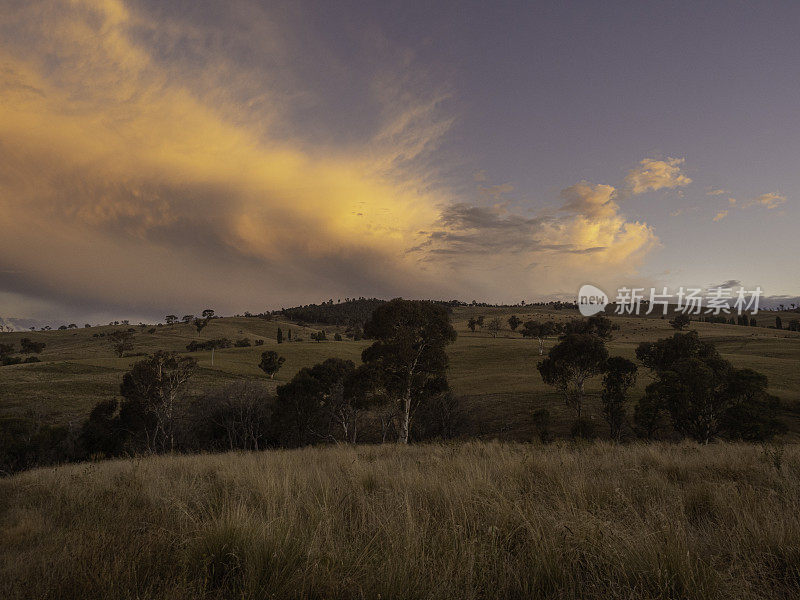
769,201
133,177
654,175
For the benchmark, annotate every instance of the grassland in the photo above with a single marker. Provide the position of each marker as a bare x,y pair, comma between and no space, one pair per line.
495,377
462,521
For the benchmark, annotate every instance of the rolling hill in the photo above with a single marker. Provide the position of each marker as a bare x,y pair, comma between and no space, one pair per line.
495,377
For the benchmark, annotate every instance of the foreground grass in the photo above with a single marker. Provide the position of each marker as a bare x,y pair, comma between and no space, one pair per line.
463,521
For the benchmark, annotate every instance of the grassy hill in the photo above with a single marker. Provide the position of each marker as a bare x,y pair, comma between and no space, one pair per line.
462,521
496,377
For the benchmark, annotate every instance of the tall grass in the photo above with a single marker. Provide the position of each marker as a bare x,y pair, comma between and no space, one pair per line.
463,521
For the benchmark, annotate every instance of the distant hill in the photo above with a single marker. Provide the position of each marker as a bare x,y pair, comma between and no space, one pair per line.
347,313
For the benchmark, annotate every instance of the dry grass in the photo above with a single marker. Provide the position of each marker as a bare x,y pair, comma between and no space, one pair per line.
463,521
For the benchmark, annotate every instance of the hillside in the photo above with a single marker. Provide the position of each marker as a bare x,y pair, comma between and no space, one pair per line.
459,522
495,377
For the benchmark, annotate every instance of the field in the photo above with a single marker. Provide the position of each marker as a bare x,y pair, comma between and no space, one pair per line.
462,521
492,515
496,377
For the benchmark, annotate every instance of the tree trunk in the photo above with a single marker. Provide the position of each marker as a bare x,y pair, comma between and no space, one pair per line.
405,418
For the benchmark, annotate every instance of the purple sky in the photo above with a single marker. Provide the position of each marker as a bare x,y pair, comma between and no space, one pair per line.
165,156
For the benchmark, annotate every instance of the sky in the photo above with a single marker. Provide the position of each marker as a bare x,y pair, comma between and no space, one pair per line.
163,157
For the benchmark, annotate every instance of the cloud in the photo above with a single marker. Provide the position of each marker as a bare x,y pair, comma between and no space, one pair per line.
586,238
769,200
654,175
126,183
730,283
496,191
150,163
717,192
589,200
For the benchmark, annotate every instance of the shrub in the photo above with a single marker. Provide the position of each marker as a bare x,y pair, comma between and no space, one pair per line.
583,428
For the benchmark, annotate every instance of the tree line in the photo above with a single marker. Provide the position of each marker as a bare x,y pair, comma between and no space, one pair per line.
401,391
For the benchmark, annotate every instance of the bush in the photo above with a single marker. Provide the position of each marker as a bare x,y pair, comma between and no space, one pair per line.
441,416
196,346
541,421
26,442
28,346
242,343
583,428
236,417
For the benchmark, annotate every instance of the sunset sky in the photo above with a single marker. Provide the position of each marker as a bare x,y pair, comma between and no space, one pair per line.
167,156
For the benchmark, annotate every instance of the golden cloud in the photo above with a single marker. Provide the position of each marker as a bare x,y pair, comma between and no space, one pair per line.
653,175
769,200
133,179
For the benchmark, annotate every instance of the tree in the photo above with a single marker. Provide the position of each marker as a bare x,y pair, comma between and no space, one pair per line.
479,321
306,406
271,363
170,319
705,396
319,336
649,417
778,323
100,434
289,335
238,416
570,363
280,335
441,416
121,342
200,324
681,321
208,313
342,397
540,331
598,325
620,376
471,324
28,346
409,352
152,390
187,318
495,326
513,322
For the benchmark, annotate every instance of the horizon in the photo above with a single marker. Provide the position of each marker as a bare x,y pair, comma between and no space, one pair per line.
247,156
14,324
